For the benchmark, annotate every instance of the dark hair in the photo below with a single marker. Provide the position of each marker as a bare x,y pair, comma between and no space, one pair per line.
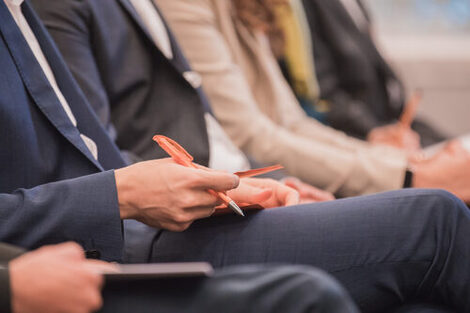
260,15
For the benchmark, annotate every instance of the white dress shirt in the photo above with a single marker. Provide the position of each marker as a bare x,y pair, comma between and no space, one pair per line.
15,9
155,25
224,155
356,13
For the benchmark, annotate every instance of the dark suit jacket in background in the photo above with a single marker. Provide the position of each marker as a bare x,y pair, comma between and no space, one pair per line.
352,74
52,189
118,66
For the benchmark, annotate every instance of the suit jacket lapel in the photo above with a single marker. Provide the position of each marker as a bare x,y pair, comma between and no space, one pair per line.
364,39
34,78
129,8
364,10
346,18
179,61
109,155
87,122
37,84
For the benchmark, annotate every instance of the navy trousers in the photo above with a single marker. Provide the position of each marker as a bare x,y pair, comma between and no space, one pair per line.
386,249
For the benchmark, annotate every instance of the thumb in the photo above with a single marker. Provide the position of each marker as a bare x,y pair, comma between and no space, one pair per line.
69,250
102,267
250,194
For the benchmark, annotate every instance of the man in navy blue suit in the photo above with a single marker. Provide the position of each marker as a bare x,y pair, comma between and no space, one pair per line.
63,179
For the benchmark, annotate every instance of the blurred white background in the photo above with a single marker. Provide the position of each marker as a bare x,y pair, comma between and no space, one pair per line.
428,43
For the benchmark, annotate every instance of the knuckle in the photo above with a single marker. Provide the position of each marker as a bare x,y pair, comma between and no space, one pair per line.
184,226
74,249
195,180
98,279
180,227
270,180
185,200
46,249
95,301
90,278
181,218
208,200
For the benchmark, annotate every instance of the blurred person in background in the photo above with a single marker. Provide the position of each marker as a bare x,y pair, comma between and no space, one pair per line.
230,44
357,90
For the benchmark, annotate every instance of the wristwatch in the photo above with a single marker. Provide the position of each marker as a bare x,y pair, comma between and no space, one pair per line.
408,178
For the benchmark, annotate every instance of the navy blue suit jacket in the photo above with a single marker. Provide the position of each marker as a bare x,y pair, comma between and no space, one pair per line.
126,78
51,188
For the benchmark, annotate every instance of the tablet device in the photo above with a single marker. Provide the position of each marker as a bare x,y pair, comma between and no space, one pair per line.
160,270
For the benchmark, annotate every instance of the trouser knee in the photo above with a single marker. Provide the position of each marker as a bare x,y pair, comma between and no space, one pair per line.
317,291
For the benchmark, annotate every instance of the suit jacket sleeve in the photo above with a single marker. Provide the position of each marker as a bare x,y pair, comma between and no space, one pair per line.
84,210
308,150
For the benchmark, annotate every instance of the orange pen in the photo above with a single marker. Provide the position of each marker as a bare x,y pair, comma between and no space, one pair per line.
182,157
411,107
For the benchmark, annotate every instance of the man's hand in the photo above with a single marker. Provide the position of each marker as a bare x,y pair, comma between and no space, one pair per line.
268,193
161,193
308,193
449,169
396,135
56,279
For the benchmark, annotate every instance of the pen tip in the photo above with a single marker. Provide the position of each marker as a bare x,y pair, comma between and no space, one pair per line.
236,208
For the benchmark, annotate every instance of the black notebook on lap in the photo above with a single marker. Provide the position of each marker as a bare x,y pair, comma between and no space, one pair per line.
160,270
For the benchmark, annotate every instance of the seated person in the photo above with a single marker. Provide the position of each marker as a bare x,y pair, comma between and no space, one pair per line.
360,89
226,43
64,179
147,52
58,279
170,102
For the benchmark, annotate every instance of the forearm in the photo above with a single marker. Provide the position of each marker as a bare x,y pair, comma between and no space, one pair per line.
312,129
346,172
83,209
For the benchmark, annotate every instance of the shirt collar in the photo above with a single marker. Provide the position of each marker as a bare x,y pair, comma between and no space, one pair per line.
15,2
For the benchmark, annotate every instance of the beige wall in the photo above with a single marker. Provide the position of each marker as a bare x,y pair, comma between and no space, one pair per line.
441,68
